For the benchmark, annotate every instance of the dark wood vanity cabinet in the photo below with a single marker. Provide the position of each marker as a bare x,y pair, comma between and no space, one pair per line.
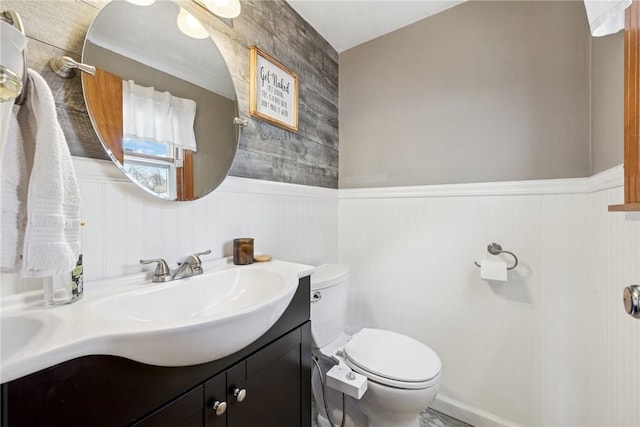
274,374
269,382
272,383
185,411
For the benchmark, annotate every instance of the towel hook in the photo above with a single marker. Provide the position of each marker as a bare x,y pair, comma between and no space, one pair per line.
496,249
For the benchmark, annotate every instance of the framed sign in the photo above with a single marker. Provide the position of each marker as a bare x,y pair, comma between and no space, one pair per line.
273,91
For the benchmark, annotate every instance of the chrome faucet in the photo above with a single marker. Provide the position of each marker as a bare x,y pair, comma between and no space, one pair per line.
190,266
187,267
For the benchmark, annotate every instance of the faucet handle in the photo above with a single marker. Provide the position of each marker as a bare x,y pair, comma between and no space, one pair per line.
162,272
198,254
195,261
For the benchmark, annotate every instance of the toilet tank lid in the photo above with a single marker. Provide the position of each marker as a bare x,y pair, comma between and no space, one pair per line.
327,275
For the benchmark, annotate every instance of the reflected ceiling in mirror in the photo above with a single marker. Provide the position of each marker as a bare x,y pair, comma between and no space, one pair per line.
151,77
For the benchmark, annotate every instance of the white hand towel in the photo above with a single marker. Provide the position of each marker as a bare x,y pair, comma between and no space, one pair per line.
606,16
52,233
15,179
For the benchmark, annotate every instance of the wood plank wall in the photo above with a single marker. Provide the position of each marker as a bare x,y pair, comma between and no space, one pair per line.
309,157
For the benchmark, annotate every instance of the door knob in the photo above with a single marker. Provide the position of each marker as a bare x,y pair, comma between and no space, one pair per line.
631,298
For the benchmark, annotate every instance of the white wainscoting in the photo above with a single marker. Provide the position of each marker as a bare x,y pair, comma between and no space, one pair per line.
124,224
552,346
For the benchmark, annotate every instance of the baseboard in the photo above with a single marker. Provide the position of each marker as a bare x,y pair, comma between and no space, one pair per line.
470,415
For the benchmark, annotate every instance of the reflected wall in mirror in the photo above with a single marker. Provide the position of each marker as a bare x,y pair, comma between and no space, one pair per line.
151,78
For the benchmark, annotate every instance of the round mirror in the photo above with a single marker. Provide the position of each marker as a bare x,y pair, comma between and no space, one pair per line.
162,100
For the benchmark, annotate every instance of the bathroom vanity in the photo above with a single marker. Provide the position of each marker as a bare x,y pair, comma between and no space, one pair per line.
267,383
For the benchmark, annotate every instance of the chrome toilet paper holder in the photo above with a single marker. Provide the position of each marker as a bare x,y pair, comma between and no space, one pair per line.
496,249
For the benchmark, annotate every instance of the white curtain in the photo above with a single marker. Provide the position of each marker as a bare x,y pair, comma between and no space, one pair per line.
606,16
158,116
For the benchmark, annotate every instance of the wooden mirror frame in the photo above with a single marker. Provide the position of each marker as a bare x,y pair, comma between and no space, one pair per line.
631,111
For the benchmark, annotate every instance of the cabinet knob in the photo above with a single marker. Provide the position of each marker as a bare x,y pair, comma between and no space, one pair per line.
219,407
240,394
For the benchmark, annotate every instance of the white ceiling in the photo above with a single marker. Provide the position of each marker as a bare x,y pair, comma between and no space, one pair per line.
348,23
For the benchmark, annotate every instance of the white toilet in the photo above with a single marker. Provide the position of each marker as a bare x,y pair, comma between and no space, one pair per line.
403,375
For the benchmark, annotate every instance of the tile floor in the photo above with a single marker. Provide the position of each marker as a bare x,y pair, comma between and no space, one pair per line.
430,418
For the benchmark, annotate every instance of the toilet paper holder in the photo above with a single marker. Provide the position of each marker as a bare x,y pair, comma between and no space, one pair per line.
496,249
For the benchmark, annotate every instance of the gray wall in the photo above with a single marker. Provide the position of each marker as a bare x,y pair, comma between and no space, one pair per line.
309,157
485,91
607,103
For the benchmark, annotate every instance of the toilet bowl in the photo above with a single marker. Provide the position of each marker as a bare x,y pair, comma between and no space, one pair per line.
403,374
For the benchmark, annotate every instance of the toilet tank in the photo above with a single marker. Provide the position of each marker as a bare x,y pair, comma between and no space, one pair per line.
328,302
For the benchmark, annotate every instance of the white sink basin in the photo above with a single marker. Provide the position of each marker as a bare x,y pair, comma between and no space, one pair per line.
198,319
184,322
199,297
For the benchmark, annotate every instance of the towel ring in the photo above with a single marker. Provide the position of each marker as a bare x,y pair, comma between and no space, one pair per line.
496,249
13,18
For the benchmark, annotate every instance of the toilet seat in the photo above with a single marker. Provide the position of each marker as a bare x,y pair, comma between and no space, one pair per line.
393,359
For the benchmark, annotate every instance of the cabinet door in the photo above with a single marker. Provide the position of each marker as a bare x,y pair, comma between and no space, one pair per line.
215,401
186,411
272,381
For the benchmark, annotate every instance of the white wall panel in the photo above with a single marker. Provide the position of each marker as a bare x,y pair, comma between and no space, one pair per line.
552,346
124,224
93,233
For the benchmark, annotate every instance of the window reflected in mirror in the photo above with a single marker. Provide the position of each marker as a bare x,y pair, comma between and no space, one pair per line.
152,165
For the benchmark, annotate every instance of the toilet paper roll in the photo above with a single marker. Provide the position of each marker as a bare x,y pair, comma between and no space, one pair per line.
494,270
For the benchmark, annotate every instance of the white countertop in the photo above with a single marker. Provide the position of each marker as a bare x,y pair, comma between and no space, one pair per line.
35,337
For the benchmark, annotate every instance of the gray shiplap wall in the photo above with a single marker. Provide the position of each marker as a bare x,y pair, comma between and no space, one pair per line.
308,157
